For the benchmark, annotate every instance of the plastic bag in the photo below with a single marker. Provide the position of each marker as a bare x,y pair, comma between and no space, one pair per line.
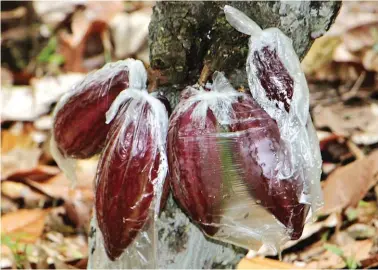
131,173
225,155
79,129
278,84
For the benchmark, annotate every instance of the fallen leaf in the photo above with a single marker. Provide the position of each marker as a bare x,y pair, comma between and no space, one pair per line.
353,14
44,122
346,120
53,13
130,31
19,139
49,89
16,190
360,37
25,225
370,262
24,103
18,104
330,258
19,159
264,263
39,173
320,54
6,77
361,231
7,205
370,58
91,22
342,54
347,185
65,248
60,186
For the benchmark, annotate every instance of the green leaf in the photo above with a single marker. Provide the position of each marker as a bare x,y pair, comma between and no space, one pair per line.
57,59
325,236
334,249
49,55
352,263
351,214
363,203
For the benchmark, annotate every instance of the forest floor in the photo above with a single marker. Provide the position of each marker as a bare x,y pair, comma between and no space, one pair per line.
49,46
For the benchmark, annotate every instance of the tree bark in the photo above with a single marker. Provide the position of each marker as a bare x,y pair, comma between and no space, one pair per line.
183,37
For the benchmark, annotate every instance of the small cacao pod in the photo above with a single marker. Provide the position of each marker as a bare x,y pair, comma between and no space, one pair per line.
79,123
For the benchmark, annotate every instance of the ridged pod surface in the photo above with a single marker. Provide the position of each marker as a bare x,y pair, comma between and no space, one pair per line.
126,181
220,140
259,151
79,123
194,163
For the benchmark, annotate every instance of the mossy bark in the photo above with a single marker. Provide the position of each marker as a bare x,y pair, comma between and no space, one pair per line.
183,37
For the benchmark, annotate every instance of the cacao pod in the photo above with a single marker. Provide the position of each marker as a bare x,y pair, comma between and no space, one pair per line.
195,165
79,124
128,171
259,150
235,138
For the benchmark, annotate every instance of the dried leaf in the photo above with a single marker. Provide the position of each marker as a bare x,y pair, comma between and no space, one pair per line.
364,36
264,263
320,54
354,14
341,54
370,58
93,21
60,187
15,190
361,231
347,185
19,159
7,205
347,121
130,31
24,225
338,256
39,173
16,139
6,77
23,103
370,262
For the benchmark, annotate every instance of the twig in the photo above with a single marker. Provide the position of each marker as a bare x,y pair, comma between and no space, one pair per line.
356,86
205,73
357,152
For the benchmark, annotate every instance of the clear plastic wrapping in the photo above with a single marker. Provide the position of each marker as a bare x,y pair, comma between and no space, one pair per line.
226,157
279,86
131,173
79,129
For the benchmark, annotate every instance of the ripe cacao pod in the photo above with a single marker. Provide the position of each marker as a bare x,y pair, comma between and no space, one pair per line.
259,150
214,136
195,165
129,170
79,124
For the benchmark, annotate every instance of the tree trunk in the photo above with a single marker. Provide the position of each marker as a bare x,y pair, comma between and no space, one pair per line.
183,38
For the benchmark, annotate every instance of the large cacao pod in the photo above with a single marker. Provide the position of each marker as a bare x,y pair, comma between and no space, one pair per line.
260,151
127,173
195,165
206,153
